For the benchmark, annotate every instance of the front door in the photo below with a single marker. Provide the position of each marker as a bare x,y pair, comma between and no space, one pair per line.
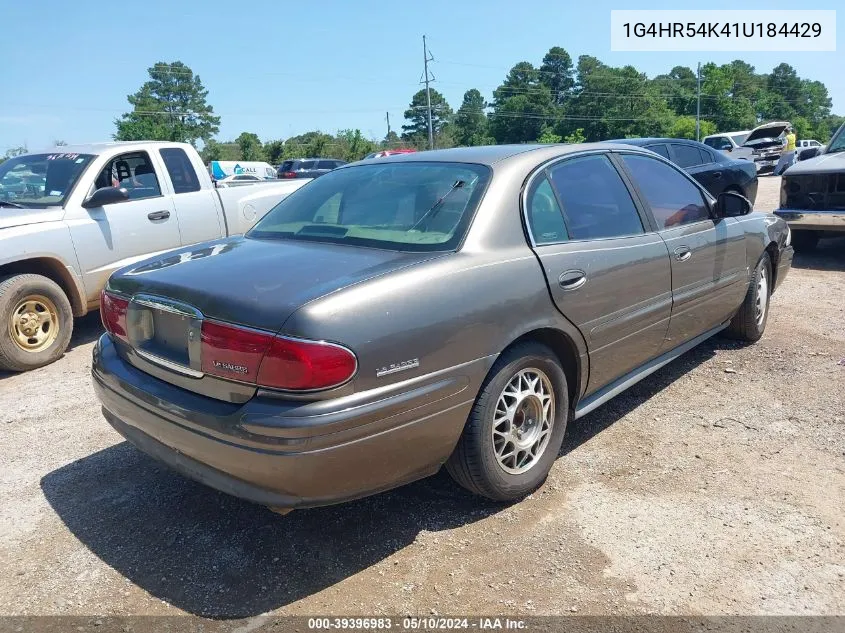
607,274
112,236
709,269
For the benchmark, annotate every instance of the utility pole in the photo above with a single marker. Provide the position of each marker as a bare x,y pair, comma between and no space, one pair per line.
428,79
698,107
387,116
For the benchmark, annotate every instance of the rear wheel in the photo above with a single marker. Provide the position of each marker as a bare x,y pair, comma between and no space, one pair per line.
36,322
749,322
516,427
804,240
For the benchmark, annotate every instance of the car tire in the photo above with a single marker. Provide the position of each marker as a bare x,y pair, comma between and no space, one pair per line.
511,409
36,322
749,323
803,241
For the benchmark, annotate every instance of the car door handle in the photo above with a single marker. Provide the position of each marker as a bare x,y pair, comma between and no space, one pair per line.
572,279
158,215
683,253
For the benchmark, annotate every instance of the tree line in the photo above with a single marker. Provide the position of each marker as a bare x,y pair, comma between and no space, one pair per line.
559,100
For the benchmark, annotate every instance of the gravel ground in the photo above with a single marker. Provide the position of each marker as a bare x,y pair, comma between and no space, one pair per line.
716,486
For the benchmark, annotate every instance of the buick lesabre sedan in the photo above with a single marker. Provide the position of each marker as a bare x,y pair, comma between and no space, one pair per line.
454,307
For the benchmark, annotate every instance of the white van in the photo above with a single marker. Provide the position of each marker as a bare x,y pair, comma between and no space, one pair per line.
220,169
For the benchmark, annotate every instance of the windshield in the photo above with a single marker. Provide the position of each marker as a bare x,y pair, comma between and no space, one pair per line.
399,206
41,180
837,143
739,139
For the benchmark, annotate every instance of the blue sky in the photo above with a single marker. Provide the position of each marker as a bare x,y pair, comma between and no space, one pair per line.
283,68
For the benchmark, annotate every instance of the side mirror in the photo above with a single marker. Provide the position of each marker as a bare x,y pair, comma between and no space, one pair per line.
730,204
729,148
104,196
810,152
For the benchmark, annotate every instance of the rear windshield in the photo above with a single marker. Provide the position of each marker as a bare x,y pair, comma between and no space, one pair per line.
398,206
41,180
287,165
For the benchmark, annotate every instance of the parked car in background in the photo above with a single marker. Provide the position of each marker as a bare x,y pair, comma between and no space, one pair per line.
812,194
388,152
242,179
87,210
767,143
453,307
308,167
730,143
222,169
714,170
807,143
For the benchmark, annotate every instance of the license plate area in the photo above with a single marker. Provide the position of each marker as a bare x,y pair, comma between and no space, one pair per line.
166,332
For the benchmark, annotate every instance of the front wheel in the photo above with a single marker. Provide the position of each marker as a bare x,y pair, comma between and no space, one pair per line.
36,321
749,323
516,427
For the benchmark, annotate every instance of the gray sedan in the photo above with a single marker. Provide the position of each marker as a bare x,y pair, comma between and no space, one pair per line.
453,307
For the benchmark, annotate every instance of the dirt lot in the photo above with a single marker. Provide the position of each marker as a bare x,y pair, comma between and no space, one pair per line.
716,486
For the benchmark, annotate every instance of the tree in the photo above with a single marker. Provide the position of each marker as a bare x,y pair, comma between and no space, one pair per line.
352,145
417,117
684,127
274,151
558,74
470,121
59,143
391,140
547,135
522,105
171,106
12,152
576,137
250,146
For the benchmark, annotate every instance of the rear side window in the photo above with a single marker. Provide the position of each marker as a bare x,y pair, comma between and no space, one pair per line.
659,149
596,203
181,172
544,215
306,164
326,164
673,199
686,155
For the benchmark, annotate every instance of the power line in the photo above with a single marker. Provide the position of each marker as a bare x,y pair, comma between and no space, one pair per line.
428,79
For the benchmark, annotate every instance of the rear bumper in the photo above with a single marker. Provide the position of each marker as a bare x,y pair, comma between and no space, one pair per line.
284,454
813,220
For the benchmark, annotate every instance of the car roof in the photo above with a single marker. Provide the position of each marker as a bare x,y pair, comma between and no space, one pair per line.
99,148
651,140
492,154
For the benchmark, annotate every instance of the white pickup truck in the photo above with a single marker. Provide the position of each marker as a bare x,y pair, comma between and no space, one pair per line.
71,216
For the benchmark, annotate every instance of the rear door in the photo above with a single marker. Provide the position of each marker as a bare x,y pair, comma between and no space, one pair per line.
709,270
196,208
608,271
112,236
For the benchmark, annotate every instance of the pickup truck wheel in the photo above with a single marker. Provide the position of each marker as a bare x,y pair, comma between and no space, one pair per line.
749,323
37,322
804,240
516,427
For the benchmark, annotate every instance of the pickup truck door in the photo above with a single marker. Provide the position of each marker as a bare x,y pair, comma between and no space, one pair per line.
709,268
196,202
109,237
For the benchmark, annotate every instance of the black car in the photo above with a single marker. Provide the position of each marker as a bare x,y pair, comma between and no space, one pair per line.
715,171
308,167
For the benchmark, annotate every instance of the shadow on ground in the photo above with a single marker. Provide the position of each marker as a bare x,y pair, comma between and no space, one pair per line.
214,555
828,255
85,330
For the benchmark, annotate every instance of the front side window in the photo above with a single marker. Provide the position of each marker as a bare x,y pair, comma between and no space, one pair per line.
399,206
131,171
41,180
181,172
673,199
596,203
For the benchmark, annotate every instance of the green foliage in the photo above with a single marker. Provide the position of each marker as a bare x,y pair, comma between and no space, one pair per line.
274,151
250,146
547,135
558,74
684,127
470,126
522,106
12,152
171,106
416,116
352,145
576,136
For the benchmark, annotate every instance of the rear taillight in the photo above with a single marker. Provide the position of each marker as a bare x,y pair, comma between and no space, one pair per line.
113,313
273,361
288,174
